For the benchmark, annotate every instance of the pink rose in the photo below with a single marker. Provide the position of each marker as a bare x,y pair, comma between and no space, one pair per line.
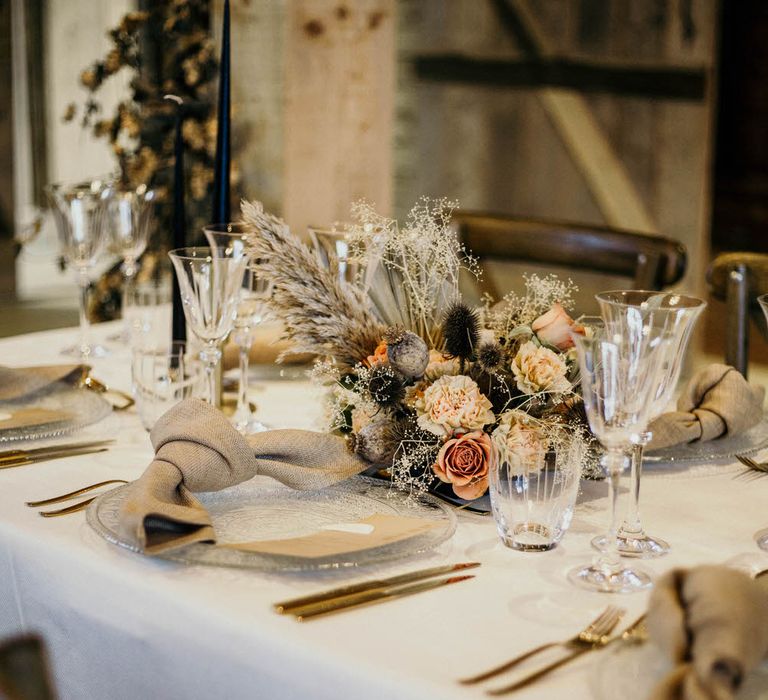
554,328
464,462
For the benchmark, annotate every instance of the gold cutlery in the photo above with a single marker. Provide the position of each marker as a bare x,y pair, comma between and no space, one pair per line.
585,638
634,633
89,382
72,494
376,596
753,468
6,455
23,460
290,606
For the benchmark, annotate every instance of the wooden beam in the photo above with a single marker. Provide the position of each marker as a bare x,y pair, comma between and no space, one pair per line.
658,82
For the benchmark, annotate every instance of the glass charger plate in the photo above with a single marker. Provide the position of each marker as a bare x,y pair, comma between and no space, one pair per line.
631,672
85,407
750,441
261,509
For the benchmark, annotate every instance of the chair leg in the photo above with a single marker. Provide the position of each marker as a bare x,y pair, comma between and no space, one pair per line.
737,324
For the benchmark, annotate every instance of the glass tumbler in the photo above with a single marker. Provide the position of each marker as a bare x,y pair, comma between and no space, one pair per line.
533,495
163,378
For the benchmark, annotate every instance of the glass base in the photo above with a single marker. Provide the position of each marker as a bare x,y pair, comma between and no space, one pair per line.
86,352
761,537
622,580
529,537
638,545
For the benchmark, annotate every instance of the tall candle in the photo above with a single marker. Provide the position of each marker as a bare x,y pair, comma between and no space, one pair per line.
179,327
221,198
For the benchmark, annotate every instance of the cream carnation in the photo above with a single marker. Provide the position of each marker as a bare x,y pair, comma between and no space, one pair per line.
520,442
440,365
538,369
453,404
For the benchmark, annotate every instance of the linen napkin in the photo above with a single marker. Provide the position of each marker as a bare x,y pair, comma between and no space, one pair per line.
197,449
717,401
16,382
712,622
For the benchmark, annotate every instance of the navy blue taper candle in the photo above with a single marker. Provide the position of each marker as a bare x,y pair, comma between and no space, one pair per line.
179,327
221,198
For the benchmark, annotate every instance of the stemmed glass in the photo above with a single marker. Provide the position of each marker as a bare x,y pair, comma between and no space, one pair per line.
653,314
130,219
80,212
210,281
618,374
762,536
250,313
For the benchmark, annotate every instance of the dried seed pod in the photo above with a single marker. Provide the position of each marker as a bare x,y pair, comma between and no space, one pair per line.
408,354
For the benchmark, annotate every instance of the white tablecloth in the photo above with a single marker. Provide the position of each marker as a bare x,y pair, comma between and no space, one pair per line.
120,625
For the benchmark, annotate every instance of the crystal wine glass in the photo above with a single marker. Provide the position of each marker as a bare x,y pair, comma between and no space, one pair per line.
762,536
618,374
251,309
130,215
209,281
653,314
81,213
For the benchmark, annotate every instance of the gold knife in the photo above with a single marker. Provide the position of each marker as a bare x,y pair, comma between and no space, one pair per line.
23,460
9,455
289,606
372,597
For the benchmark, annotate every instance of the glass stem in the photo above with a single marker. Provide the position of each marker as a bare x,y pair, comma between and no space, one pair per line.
129,273
85,326
210,356
632,523
609,561
243,410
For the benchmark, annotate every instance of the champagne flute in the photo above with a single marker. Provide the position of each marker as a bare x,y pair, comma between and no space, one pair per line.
618,374
250,313
130,219
80,212
651,313
209,281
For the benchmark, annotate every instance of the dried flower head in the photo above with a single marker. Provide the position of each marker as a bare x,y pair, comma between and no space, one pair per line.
461,331
490,356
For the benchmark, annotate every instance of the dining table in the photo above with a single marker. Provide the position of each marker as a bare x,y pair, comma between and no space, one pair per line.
118,624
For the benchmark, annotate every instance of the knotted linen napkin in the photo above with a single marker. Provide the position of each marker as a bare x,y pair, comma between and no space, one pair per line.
16,382
717,401
712,622
197,449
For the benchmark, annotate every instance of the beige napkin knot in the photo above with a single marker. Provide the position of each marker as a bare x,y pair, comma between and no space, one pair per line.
712,622
717,401
196,450
16,382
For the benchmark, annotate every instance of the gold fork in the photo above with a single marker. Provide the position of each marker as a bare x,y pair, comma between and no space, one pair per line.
631,633
754,469
72,494
584,639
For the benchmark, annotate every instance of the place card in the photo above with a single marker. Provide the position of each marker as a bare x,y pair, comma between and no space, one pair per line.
30,417
342,538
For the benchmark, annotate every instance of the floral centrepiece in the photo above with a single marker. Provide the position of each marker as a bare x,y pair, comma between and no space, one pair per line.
420,382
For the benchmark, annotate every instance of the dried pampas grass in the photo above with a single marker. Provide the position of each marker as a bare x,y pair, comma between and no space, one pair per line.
322,315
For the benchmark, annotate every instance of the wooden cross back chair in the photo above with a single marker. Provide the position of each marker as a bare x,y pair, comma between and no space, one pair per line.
738,279
652,262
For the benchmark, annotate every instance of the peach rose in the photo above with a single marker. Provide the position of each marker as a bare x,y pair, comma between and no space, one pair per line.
537,368
453,404
554,328
464,462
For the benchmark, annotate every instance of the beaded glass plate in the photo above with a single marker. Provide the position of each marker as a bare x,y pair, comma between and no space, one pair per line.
261,509
83,407
748,442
